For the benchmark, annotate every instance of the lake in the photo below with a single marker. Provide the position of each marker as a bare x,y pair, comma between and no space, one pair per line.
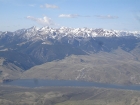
44,83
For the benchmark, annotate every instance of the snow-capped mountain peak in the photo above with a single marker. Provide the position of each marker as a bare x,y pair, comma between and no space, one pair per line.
58,33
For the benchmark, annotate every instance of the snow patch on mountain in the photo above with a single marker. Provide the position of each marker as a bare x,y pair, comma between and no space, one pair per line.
43,33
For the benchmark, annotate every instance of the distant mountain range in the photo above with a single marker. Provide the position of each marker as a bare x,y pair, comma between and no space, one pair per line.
45,33
26,48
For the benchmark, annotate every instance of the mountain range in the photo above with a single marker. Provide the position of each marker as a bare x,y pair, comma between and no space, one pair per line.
29,53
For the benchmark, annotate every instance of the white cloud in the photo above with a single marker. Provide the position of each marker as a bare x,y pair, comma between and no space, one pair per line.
72,16
49,6
43,21
106,17
69,15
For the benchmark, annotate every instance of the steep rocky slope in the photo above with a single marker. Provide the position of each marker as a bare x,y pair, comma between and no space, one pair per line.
116,67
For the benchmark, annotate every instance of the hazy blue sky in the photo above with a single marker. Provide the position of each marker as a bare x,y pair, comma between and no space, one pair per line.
108,14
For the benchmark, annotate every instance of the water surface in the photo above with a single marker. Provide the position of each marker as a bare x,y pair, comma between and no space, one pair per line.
44,83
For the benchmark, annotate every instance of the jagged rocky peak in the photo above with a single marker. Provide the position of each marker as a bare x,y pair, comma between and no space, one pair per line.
34,28
84,32
71,32
44,28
